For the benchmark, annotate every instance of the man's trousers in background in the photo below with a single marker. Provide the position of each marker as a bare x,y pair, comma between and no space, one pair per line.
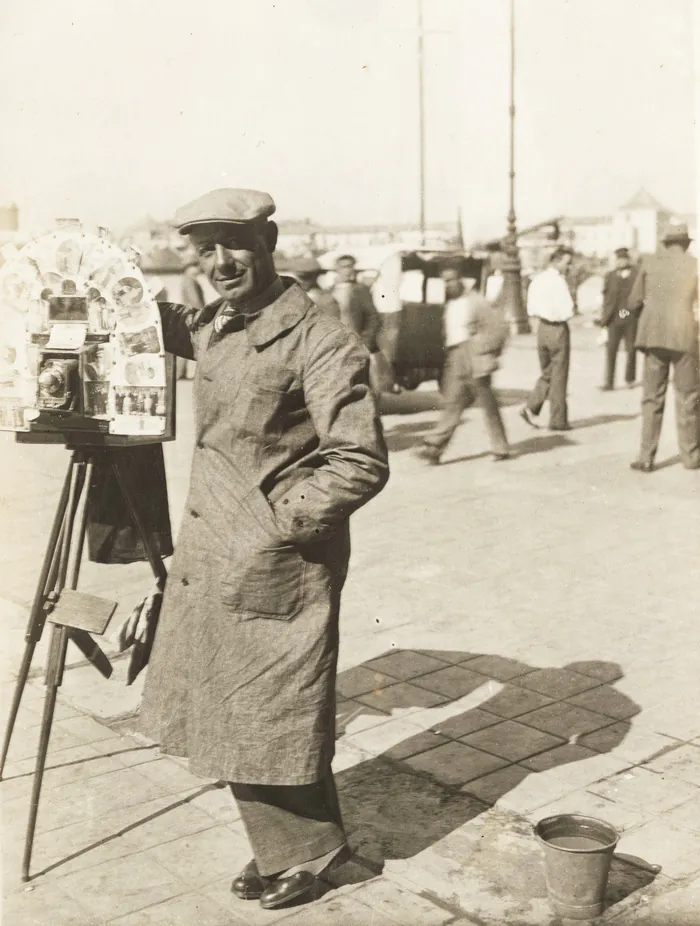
288,825
553,350
459,391
686,384
618,332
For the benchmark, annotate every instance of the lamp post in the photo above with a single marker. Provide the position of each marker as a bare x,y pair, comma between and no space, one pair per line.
421,122
512,284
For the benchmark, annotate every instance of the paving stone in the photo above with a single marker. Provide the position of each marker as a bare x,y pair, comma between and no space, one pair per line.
193,909
353,716
466,723
399,905
123,886
556,683
553,758
686,816
361,680
620,816
629,741
682,763
414,745
346,910
512,702
201,858
455,763
639,787
492,787
499,667
44,905
511,740
378,739
450,656
401,696
452,681
606,700
658,843
405,664
564,720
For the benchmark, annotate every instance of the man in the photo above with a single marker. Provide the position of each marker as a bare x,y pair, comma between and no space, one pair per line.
192,295
666,291
618,320
475,334
288,444
357,310
549,300
307,270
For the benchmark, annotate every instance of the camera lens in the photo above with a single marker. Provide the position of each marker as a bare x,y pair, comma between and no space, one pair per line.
52,381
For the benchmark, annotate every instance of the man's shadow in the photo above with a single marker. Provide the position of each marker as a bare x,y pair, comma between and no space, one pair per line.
462,729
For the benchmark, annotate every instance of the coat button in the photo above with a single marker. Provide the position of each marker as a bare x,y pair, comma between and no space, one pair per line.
184,580
195,514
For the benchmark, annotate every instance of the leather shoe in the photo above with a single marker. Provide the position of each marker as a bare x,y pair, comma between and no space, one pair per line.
284,890
641,467
528,417
250,884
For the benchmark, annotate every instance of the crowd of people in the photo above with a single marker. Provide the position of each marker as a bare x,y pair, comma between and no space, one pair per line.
288,444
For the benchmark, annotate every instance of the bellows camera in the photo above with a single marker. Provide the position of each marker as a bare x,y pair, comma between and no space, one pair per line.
81,344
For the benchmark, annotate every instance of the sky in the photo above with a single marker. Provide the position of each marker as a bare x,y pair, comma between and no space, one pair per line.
114,109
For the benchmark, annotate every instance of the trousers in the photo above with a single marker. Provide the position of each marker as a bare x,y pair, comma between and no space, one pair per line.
617,333
288,825
686,385
553,350
460,391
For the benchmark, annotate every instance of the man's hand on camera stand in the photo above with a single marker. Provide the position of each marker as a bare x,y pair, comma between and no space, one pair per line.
135,628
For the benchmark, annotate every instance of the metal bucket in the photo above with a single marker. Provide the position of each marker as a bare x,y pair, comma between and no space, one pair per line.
577,855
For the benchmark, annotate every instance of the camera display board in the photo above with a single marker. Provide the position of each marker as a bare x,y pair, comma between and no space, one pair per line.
81,343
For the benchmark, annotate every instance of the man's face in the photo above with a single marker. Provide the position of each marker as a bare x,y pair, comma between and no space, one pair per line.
453,283
563,263
346,272
236,259
622,262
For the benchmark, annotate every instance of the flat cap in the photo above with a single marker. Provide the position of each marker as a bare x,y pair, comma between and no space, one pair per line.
622,252
236,206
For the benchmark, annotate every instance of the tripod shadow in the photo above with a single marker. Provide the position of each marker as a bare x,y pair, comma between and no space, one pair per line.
461,731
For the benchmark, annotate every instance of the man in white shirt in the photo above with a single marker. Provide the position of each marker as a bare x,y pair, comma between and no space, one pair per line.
549,300
473,341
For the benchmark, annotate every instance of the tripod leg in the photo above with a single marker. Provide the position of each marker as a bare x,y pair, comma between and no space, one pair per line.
54,673
37,615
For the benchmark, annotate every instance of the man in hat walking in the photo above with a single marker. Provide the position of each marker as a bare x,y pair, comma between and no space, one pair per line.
307,270
357,309
619,320
549,300
288,445
666,292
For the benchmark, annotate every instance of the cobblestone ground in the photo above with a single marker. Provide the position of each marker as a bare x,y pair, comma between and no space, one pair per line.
518,639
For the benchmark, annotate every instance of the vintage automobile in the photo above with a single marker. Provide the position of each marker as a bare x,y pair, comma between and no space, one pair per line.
410,296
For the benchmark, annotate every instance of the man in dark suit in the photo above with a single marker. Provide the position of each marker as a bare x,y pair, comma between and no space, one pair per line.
618,320
666,290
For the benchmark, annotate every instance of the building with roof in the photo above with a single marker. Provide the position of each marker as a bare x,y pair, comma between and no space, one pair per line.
639,224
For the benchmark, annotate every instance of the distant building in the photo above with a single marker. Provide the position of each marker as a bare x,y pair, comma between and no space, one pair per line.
638,224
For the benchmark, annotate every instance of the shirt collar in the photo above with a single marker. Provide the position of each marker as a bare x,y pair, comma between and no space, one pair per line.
288,305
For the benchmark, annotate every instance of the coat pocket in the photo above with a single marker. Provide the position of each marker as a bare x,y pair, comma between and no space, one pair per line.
267,582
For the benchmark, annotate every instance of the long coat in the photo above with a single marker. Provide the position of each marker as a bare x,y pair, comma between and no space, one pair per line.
288,444
667,289
616,298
